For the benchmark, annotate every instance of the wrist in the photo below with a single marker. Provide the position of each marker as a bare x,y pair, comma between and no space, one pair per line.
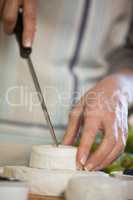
116,88
125,82
122,83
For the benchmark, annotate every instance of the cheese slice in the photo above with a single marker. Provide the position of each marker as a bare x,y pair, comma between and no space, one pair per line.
46,182
52,157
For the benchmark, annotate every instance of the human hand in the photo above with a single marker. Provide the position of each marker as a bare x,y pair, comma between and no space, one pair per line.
105,108
9,13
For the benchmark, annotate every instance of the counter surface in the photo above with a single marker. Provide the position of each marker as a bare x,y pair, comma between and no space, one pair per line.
37,197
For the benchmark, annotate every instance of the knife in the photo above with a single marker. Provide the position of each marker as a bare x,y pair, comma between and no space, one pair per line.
10,179
25,53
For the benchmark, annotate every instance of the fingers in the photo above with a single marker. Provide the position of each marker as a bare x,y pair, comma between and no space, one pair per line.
1,6
103,151
88,137
73,125
30,17
10,14
112,156
117,150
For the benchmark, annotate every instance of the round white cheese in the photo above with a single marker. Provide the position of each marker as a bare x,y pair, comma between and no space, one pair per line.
97,188
52,157
46,182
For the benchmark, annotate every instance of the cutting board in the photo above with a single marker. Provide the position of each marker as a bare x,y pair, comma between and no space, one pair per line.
37,197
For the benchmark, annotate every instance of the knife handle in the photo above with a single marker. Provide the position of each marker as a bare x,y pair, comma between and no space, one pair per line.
18,31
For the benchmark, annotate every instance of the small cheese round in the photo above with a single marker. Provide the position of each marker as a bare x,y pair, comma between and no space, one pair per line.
52,157
98,188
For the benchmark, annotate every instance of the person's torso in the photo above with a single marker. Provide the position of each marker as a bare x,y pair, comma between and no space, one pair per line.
72,40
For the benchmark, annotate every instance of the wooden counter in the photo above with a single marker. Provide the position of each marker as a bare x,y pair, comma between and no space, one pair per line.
36,197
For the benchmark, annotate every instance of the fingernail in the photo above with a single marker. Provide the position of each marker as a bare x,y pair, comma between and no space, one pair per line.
86,169
79,167
27,43
83,159
89,167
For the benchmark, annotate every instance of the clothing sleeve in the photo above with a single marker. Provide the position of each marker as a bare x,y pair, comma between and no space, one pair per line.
122,57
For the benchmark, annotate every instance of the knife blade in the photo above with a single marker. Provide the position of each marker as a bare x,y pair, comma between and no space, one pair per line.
41,99
25,53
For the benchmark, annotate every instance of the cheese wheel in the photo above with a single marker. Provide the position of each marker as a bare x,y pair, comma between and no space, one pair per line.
98,188
46,182
52,157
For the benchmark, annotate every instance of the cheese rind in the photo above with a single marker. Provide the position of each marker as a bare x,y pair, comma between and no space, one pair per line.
52,157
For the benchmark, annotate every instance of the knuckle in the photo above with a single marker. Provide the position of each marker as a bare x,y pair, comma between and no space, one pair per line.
114,140
111,140
9,19
73,114
121,146
29,30
30,16
88,113
91,135
110,117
